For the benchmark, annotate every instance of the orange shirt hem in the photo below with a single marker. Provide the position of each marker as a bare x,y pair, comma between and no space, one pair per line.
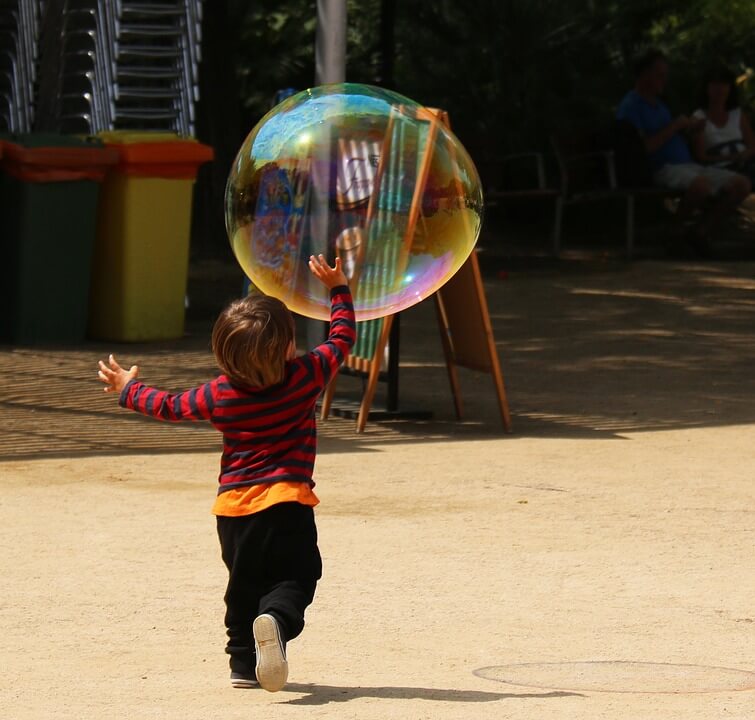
255,498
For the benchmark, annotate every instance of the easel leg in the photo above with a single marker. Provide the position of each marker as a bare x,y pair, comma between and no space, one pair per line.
503,402
448,351
372,380
391,402
495,365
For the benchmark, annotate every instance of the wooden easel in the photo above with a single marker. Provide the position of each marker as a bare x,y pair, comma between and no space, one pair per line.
372,362
467,334
462,309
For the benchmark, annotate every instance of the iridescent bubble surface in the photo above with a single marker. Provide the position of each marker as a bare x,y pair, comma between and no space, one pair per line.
362,173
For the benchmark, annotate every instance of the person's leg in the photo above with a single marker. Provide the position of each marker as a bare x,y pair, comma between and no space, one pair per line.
696,194
286,601
730,188
281,619
291,566
688,235
749,172
737,189
237,537
688,179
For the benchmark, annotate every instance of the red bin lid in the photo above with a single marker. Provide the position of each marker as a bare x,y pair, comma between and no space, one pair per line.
157,155
56,164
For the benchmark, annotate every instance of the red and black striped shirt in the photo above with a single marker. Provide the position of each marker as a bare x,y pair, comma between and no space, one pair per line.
269,433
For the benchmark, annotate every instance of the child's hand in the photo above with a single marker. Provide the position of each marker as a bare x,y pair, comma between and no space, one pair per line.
331,277
115,377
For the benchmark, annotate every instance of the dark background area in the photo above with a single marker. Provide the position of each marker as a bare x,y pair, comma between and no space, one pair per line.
510,72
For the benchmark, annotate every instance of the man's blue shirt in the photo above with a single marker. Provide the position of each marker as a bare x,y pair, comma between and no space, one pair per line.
650,118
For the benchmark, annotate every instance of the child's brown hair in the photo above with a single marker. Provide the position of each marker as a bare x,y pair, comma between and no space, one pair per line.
252,340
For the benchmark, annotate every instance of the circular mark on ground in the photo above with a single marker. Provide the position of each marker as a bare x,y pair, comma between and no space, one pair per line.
621,677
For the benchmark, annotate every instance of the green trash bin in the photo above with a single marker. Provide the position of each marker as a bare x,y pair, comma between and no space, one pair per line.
49,187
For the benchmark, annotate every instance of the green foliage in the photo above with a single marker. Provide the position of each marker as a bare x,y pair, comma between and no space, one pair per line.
514,71
276,50
508,71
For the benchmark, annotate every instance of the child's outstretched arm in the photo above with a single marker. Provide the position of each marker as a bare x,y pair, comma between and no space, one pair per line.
193,405
115,377
329,356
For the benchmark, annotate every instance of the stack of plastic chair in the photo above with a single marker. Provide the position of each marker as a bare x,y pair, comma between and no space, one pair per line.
18,51
121,65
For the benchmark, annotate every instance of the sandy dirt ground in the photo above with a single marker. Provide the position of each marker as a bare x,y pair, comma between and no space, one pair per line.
598,563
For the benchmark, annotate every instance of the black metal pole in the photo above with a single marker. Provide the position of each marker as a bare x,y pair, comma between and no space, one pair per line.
391,402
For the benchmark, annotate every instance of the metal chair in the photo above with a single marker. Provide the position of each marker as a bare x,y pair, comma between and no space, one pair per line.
18,44
119,64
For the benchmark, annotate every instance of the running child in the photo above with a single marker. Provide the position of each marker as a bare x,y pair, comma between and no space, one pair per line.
264,404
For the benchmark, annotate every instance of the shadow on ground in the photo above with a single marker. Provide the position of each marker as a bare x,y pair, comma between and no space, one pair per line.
594,349
326,694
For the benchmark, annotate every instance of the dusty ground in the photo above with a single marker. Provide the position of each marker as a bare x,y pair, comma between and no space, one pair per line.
614,529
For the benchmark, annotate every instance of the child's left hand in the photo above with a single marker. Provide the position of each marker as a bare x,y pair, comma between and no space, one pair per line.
115,377
331,277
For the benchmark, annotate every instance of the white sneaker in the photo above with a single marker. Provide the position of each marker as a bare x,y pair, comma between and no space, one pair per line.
272,667
239,680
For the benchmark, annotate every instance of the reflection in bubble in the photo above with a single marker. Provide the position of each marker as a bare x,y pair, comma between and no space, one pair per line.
359,172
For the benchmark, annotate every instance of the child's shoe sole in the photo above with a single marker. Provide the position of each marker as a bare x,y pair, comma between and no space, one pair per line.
272,667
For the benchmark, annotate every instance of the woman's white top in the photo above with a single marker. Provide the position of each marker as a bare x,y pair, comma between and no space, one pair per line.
726,140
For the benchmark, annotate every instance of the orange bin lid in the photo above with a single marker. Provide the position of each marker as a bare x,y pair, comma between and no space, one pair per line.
56,164
160,155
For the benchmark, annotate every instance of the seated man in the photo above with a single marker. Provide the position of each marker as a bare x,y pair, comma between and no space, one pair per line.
671,161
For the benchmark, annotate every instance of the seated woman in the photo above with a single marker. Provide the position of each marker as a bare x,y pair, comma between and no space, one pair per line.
726,139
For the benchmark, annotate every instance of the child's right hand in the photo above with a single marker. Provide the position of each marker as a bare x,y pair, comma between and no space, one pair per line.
331,277
115,377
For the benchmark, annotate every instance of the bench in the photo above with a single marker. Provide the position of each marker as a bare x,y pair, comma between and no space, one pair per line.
593,166
596,167
518,177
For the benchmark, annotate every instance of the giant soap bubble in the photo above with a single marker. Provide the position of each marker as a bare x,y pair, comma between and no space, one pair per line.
358,172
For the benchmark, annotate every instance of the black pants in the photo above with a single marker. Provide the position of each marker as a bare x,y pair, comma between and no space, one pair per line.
274,565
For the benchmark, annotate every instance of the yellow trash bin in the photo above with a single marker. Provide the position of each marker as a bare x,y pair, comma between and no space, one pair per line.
141,257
